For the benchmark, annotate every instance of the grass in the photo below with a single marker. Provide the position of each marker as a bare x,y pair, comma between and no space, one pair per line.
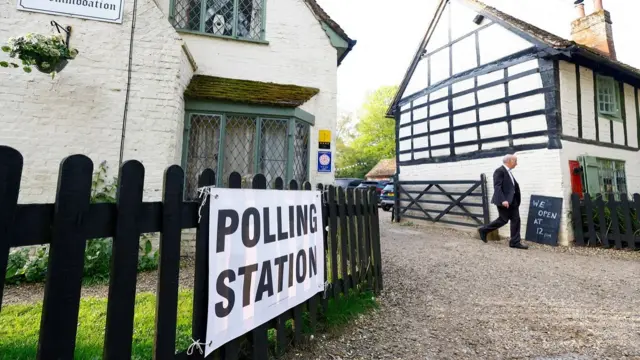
19,324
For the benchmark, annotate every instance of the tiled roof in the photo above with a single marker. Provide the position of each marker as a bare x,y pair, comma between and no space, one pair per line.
322,15
548,38
385,167
247,91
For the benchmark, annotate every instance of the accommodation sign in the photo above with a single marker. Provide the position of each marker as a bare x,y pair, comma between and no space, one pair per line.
266,255
543,222
99,10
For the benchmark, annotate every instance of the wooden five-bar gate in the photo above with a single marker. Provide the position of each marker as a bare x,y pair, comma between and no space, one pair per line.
352,243
428,200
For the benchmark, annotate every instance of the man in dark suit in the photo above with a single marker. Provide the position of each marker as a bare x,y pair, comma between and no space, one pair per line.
506,196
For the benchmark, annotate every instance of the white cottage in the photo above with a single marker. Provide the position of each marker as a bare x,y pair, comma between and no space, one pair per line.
483,84
242,85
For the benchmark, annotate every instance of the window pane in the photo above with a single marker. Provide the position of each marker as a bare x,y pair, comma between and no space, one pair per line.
239,147
204,138
250,19
187,14
301,153
219,17
273,150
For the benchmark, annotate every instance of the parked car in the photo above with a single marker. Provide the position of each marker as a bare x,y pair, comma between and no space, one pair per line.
387,198
348,183
367,184
381,185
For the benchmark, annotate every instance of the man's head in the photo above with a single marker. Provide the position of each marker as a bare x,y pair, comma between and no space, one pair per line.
510,161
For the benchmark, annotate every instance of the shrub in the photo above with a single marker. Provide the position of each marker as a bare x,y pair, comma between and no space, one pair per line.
25,268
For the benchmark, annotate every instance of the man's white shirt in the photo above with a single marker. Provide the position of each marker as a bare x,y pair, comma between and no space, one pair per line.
513,181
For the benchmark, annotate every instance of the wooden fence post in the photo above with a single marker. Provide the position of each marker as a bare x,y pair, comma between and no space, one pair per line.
169,268
628,225
124,263
485,199
588,208
10,173
375,241
577,220
59,321
201,276
344,241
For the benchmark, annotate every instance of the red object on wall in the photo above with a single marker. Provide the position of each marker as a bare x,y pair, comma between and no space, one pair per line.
576,177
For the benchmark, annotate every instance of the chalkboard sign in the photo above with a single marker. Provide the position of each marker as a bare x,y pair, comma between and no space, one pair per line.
543,222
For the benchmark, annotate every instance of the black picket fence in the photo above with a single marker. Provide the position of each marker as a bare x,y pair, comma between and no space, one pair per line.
352,244
607,223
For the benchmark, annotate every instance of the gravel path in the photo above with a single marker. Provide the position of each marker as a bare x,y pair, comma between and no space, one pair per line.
450,296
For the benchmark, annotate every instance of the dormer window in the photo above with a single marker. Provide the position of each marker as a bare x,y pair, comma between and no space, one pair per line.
237,19
609,104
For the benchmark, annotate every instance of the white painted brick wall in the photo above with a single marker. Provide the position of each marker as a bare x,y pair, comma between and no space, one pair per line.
81,110
538,172
299,52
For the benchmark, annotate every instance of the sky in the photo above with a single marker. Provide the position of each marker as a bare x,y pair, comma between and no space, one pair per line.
388,36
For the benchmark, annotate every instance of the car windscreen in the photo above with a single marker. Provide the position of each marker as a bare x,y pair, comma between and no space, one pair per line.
388,188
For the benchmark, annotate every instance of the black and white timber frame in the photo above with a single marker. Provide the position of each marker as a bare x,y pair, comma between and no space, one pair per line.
413,110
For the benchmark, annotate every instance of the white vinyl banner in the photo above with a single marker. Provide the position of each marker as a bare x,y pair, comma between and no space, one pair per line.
266,255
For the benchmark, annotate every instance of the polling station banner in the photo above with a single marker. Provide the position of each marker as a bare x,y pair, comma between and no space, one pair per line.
266,255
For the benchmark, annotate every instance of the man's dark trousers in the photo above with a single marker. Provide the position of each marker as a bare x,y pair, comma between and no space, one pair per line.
505,215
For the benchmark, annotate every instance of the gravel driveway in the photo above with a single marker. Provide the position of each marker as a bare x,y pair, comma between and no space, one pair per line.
450,296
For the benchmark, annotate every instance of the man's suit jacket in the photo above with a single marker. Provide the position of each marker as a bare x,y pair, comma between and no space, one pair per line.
504,189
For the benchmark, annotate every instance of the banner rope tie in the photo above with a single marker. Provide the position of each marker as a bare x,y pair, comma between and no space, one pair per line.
203,191
196,344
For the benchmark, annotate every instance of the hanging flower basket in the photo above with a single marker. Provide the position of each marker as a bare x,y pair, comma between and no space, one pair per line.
49,54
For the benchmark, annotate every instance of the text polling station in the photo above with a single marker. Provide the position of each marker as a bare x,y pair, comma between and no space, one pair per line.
266,255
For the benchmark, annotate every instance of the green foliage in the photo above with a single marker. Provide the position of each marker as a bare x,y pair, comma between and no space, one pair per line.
23,268
44,52
20,324
373,139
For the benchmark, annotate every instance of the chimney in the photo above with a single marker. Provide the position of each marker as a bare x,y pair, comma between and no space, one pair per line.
594,30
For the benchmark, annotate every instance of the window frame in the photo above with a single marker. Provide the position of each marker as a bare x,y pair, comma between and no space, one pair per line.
614,86
224,110
593,175
234,36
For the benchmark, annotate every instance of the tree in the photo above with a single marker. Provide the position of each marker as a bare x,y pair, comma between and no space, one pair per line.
374,137
376,133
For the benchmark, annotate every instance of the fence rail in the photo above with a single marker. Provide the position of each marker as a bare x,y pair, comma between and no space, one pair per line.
428,200
607,223
352,244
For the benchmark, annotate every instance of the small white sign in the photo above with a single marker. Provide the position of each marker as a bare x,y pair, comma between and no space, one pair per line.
100,10
266,255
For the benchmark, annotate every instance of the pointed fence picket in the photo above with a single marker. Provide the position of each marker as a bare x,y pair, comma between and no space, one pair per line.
352,245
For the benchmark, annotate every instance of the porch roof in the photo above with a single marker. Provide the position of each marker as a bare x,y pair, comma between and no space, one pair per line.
205,87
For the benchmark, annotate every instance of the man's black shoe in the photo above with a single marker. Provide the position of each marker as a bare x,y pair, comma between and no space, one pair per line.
519,246
483,235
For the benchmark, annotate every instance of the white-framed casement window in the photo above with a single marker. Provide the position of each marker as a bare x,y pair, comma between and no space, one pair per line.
236,19
604,176
609,97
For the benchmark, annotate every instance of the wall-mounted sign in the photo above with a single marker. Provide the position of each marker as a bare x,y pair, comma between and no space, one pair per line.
99,10
324,161
324,139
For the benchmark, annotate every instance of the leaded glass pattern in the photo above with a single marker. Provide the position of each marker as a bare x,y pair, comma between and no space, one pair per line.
301,153
203,147
242,19
272,162
612,177
239,146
